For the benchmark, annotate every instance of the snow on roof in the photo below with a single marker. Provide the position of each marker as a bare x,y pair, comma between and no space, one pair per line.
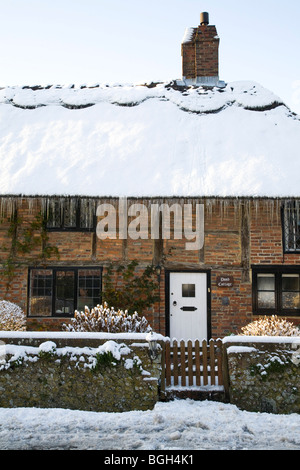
148,140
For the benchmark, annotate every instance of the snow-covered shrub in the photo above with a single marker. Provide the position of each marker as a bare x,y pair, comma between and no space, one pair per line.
103,318
12,317
270,326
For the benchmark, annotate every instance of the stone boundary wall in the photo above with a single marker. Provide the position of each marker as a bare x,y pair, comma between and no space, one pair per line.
83,371
262,374
115,372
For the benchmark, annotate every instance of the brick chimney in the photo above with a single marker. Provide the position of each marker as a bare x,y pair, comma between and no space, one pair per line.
200,54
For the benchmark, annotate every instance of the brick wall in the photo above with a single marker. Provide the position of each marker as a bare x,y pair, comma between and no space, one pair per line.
239,233
188,52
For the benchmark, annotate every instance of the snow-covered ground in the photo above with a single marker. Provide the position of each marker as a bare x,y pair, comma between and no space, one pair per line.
174,426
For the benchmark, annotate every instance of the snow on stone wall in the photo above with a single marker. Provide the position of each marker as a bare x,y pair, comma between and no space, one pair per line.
264,373
92,372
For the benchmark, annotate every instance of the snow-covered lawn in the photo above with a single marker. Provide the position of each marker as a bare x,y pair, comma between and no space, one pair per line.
176,425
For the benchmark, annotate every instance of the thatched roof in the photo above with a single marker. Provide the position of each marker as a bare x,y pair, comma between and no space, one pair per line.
150,140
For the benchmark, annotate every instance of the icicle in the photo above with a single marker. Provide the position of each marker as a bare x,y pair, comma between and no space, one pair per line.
31,204
256,204
236,206
93,211
268,209
53,204
278,210
2,207
210,203
86,214
227,205
45,207
272,210
62,208
10,206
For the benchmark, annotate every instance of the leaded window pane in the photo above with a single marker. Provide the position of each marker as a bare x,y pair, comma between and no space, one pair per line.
266,291
65,293
291,226
291,291
40,298
89,288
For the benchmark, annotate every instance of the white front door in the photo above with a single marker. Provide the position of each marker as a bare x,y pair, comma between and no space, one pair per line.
188,306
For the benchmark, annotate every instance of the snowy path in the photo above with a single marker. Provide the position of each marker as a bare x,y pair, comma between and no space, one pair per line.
177,425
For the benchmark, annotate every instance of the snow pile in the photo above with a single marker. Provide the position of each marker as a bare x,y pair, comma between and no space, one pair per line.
151,140
12,317
177,425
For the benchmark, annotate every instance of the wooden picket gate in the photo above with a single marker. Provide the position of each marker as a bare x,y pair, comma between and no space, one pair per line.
192,364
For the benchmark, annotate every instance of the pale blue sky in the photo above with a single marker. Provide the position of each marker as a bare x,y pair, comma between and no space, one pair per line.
92,41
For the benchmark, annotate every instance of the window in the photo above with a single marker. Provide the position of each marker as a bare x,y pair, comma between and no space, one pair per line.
276,290
188,290
41,292
291,226
89,288
291,291
266,290
59,292
70,214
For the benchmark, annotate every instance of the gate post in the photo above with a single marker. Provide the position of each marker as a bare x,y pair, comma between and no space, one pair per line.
225,372
163,369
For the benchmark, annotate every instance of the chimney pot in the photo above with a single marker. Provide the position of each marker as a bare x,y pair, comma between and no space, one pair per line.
204,18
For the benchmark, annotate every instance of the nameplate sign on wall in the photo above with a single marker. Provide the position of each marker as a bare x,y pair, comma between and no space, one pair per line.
225,281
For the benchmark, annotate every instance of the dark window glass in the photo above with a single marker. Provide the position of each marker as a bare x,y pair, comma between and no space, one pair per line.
291,226
65,293
188,290
70,213
291,291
